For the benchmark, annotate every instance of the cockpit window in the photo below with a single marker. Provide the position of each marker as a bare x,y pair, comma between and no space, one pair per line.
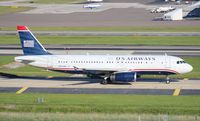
180,62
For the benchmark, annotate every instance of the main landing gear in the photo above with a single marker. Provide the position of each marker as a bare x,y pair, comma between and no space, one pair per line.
106,80
167,80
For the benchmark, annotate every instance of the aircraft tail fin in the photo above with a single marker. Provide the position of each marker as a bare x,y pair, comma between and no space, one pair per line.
29,43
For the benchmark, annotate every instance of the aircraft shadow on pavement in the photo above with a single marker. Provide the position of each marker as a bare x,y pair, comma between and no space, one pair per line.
155,80
85,80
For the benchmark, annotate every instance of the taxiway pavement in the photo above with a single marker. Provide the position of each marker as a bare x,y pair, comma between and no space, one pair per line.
110,14
83,85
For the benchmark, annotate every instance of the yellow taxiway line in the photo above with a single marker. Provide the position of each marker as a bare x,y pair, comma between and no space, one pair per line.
176,92
21,90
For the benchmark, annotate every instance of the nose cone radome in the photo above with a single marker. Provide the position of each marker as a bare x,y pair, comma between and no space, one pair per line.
188,68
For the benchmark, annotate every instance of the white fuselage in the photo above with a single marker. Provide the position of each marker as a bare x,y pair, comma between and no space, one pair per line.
113,63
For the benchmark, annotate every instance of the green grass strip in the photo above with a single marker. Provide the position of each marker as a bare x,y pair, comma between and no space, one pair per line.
5,60
54,1
110,40
12,9
101,103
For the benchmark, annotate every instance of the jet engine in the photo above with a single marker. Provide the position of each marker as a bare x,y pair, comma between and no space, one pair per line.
123,77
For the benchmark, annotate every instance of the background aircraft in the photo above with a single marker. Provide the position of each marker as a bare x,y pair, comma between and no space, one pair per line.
94,0
162,9
113,68
92,6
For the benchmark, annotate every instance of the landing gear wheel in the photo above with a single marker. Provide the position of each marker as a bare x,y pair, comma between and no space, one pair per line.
104,82
167,80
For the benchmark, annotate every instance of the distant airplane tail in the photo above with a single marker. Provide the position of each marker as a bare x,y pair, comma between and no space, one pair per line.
29,43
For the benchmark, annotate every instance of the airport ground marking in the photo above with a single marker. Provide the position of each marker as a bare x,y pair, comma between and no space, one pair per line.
21,90
176,92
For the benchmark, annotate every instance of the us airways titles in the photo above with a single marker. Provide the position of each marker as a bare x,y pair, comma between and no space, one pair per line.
135,58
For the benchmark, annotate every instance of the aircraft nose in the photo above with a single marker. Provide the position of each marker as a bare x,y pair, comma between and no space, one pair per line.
189,68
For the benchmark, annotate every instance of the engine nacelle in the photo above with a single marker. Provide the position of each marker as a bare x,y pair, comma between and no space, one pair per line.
124,77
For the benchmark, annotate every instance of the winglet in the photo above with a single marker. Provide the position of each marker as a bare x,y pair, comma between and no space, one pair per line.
22,28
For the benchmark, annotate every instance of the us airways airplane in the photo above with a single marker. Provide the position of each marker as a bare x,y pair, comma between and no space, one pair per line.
113,68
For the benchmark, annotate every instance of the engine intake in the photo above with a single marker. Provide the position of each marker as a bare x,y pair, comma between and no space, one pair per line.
124,77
